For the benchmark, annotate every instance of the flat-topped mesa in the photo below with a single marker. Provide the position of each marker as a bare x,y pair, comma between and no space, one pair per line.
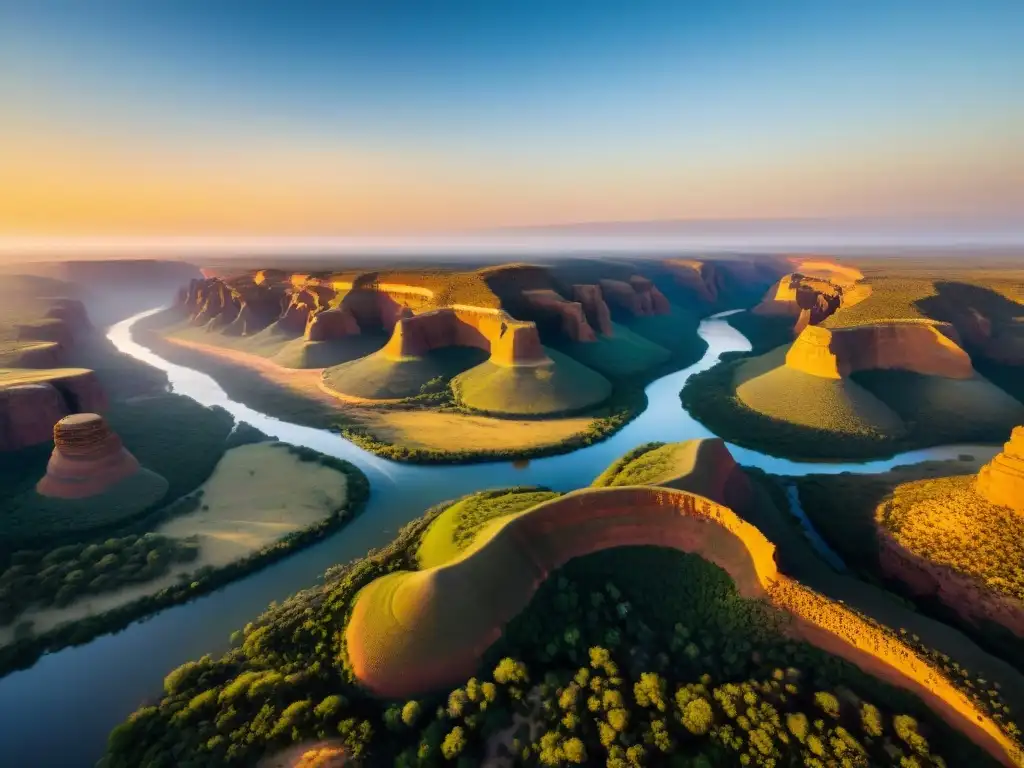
71,311
1001,481
574,325
87,459
922,347
510,342
595,308
795,294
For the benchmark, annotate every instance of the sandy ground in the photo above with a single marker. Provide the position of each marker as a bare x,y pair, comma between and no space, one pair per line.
256,495
309,754
411,428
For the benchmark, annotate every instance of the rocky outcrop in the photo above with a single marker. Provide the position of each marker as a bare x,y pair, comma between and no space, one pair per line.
510,342
41,354
399,641
1001,481
573,320
592,300
833,272
28,413
928,348
87,459
33,401
969,597
57,331
698,276
810,299
332,324
72,312
639,297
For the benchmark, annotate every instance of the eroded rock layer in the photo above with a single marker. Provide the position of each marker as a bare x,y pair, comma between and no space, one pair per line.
34,400
1001,481
509,342
639,297
87,459
928,348
593,303
573,320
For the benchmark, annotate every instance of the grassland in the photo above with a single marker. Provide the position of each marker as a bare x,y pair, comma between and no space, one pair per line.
456,527
650,464
285,350
378,377
562,387
676,332
944,521
624,353
759,403
645,632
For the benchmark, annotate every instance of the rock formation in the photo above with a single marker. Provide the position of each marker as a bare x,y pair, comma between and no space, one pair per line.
33,401
510,342
928,348
638,297
796,294
573,320
87,459
1001,481
332,324
72,312
598,315
698,276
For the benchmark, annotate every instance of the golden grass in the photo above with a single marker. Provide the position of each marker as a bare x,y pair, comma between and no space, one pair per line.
328,753
10,377
257,494
766,385
944,521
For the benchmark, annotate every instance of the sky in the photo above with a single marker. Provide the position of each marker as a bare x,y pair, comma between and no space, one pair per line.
351,118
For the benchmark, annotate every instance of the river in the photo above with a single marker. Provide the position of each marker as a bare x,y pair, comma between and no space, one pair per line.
59,712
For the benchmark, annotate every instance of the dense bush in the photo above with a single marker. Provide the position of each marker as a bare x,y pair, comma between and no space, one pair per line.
60,576
630,657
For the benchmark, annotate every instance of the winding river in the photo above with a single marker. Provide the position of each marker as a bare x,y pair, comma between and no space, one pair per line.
59,712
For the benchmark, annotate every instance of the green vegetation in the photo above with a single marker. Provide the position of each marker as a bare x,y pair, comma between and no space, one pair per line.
629,657
650,464
454,529
63,575
676,332
28,647
757,403
625,353
560,388
764,332
943,518
377,377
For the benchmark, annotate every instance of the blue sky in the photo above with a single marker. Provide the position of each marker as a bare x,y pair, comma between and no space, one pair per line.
505,112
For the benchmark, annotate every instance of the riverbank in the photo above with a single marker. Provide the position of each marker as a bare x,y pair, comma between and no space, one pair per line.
263,501
421,430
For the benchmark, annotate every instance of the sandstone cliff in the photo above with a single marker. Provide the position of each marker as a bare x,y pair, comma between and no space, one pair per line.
928,348
573,320
698,276
1001,481
87,459
592,300
31,402
639,297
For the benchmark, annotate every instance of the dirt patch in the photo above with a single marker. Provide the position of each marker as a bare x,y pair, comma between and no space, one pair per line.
256,495
308,754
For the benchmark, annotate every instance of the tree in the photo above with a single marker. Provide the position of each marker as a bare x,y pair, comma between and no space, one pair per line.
650,691
453,743
510,671
411,713
697,716
574,750
457,703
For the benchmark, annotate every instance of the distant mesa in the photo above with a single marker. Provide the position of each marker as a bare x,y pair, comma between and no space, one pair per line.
639,297
922,347
573,318
594,306
699,276
88,460
1001,481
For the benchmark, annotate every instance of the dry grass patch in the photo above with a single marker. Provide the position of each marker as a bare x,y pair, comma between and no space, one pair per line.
257,495
946,522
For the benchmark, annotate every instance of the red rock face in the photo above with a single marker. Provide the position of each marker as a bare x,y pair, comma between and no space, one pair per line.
510,342
28,413
597,312
87,459
928,348
574,325
1001,481
973,601
638,297
332,324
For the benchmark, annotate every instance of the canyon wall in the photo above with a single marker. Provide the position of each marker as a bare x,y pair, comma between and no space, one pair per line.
923,347
1001,481
573,319
510,342
31,404
592,300
638,297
